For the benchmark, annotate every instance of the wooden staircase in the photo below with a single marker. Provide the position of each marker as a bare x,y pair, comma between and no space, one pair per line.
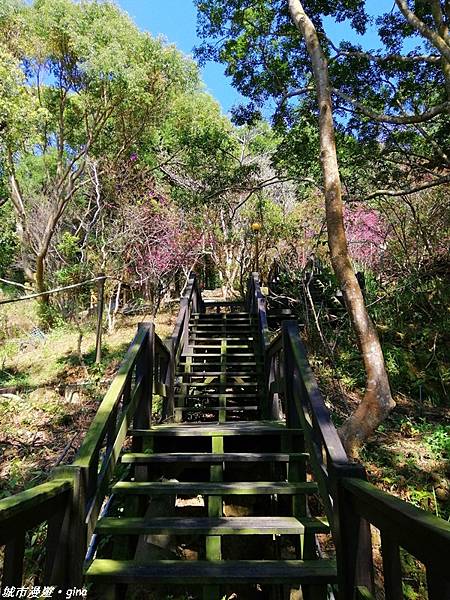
216,464
222,496
219,376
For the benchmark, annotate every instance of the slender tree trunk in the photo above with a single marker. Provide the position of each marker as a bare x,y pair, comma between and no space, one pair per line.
377,401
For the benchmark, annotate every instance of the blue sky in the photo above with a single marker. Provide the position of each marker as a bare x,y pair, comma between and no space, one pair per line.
176,21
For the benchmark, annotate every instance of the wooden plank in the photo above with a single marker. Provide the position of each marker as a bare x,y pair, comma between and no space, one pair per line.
217,526
215,374
225,409
430,542
207,457
392,567
201,572
13,561
214,489
224,384
230,429
438,585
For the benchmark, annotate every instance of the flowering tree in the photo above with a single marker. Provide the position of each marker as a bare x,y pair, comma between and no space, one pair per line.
161,242
366,233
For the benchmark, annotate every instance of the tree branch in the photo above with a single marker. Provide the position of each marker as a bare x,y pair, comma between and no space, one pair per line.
412,190
398,120
434,38
414,58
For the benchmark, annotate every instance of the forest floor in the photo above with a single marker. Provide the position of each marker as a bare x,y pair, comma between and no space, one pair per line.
47,398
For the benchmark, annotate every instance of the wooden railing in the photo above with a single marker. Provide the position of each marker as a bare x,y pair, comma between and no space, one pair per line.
190,303
351,503
71,502
47,505
257,308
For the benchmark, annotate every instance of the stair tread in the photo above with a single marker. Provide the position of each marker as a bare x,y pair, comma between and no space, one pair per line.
216,408
237,354
207,525
200,572
212,488
204,395
219,383
213,373
249,363
208,457
217,429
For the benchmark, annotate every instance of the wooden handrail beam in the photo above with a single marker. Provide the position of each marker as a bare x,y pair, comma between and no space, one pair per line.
419,532
28,509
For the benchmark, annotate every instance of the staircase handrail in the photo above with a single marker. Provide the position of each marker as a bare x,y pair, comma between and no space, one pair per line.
72,500
191,301
352,503
257,307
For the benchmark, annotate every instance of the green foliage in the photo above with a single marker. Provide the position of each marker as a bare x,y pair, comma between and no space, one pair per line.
9,243
439,441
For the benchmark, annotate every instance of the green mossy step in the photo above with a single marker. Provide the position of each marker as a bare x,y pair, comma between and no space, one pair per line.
212,526
220,316
206,374
200,385
230,364
318,572
212,488
216,429
205,409
204,394
210,458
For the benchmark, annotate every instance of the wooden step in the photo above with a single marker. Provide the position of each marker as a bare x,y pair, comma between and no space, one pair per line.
205,409
216,340
213,572
212,488
217,345
233,315
200,385
206,374
209,458
204,355
212,526
217,430
229,365
205,395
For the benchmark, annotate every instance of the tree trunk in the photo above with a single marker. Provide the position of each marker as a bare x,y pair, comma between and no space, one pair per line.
44,300
377,401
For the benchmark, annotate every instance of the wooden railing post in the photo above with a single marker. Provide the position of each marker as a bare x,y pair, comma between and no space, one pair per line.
169,380
292,416
352,535
68,532
144,372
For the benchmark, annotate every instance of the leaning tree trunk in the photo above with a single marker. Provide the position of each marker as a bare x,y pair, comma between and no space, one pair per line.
377,401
